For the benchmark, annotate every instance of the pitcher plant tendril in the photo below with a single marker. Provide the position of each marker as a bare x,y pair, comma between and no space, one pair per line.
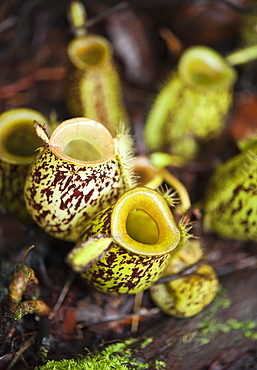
154,177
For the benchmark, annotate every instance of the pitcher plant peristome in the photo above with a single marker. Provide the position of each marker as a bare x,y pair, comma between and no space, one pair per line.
18,145
127,246
193,104
78,172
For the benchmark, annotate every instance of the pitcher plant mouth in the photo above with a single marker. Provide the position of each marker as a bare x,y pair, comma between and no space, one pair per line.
18,138
142,223
82,141
203,67
89,51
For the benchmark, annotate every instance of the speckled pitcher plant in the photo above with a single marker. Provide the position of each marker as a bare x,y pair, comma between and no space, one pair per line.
230,203
79,171
192,105
93,87
18,145
127,246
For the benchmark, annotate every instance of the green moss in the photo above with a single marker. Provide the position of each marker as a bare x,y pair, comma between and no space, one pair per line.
246,327
146,342
234,323
188,337
116,356
210,326
250,334
159,365
221,300
204,341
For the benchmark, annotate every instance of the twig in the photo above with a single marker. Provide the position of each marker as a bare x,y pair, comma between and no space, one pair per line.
26,252
137,306
249,262
19,353
238,8
62,296
42,74
7,336
8,23
186,272
121,6
174,44
140,314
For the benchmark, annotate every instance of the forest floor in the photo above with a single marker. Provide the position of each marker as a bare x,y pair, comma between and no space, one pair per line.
33,52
